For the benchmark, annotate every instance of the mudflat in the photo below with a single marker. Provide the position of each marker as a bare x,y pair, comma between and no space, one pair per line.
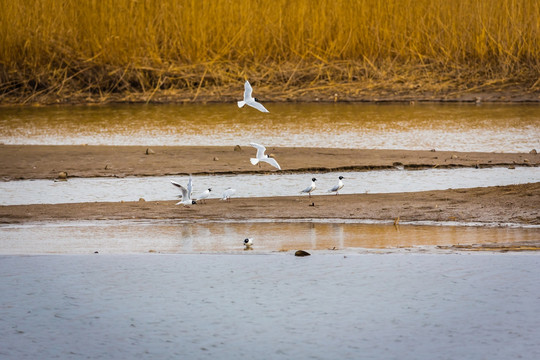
19,162
498,204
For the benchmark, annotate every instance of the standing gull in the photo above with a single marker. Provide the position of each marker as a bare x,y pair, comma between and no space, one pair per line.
204,195
248,242
261,156
227,194
251,101
338,186
310,188
186,193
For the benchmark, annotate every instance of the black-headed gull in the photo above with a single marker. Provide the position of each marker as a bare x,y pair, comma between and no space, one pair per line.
204,195
261,156
338,186
251,101
186,193
248,242
227,194
310,188
179,186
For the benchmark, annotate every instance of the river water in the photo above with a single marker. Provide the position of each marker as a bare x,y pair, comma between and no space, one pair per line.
179,237
248,306
488,127
370,290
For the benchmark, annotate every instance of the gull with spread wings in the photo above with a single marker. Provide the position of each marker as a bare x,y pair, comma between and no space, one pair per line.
186,193
261,156
249,100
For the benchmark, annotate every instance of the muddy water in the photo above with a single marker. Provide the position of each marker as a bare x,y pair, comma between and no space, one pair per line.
160,188
121,237
501,128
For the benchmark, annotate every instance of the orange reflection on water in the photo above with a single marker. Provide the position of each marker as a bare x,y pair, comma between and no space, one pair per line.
132,237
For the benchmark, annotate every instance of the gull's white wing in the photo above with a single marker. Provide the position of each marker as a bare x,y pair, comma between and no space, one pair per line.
272,162
247,91
308,189
335,188
260,150
183,189
257,105
176,184
190,187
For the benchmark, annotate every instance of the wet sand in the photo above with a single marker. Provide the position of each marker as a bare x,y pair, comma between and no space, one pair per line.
19,162
500,204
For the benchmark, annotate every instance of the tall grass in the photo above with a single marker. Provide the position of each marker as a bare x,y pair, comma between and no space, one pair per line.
110,46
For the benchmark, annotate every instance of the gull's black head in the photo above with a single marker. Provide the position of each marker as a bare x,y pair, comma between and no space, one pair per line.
193,202
341,178
209,189
256,99
313,179
246,241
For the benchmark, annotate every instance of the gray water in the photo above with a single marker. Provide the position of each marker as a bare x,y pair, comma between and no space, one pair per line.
277,306
457,127
159,188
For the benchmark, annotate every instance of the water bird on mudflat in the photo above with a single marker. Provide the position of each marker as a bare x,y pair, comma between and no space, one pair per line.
261,156
310,188
248,242
186,193
338,186
227,194
204,195
249,100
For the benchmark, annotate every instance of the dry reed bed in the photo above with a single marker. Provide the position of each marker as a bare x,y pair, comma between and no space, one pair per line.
199,49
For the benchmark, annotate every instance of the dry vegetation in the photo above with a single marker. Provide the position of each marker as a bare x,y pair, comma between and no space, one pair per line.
182,50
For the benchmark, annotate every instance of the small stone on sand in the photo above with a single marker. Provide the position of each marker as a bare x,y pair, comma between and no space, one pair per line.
62,175
301,253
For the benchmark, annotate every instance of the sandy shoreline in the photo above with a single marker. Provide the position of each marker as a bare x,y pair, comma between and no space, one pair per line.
499,204
390,90
45,162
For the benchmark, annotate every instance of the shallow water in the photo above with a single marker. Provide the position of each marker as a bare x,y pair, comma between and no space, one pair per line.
120,237
270,306
159,188
489,127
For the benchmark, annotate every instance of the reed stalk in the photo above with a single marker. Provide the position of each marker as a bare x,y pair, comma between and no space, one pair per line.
103,47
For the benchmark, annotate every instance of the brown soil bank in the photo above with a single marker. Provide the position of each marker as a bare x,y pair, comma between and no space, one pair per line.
384,91
499,204
46,162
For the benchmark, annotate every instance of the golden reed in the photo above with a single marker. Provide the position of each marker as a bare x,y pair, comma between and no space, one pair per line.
105,46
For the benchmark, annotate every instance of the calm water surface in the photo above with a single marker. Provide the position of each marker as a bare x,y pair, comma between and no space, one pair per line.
497,127
120,237
419,306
